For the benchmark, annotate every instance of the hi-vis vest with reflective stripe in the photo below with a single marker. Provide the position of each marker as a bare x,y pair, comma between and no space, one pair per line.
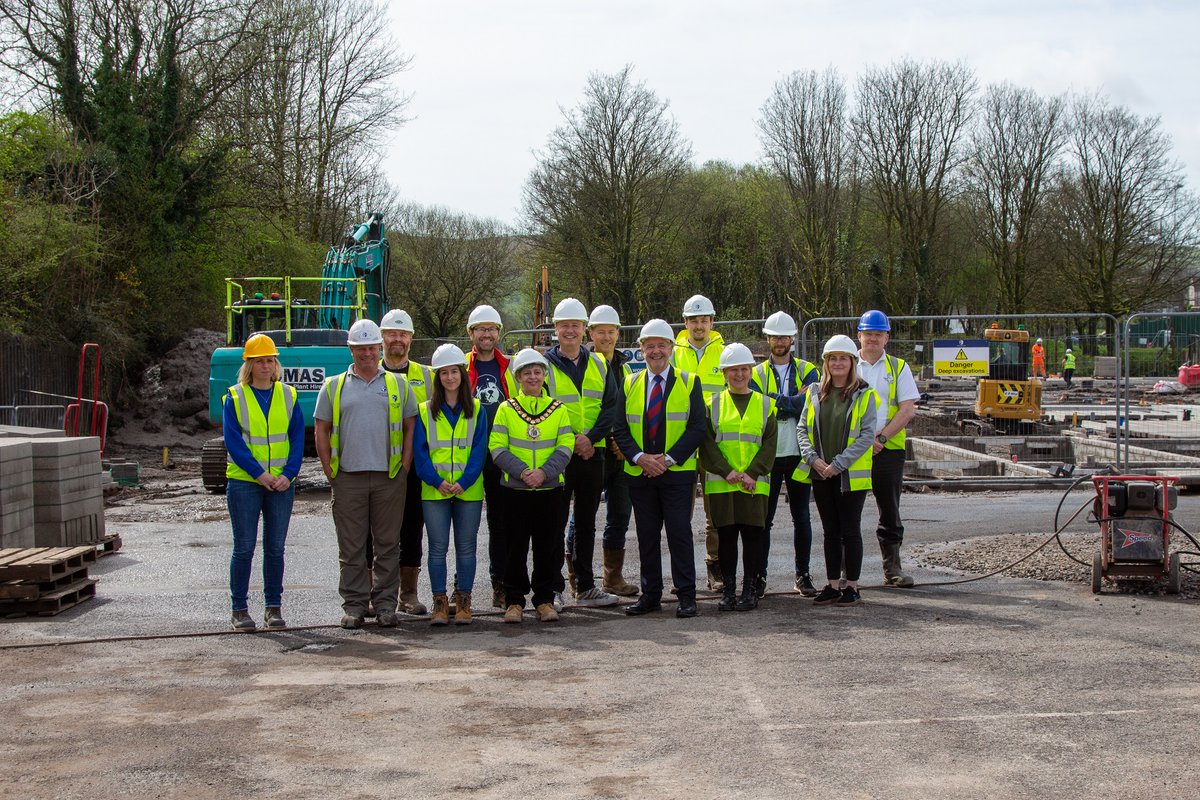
676,406
860,471
707,368
739,437
1069,361
266,436
583,405
511,433
449,449
397,394
894,367
767,379
419,382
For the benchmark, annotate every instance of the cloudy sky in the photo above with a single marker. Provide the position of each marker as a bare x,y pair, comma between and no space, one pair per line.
489,78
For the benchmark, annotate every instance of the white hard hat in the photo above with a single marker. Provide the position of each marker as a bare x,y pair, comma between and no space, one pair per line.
365,331
397,320
840,343
1039,341
528,358
656,329
736,355
604,315
698,306
1068,349
482,314
448,355
780,324
570,309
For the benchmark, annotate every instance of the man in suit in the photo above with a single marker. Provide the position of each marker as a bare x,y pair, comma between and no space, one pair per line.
658,429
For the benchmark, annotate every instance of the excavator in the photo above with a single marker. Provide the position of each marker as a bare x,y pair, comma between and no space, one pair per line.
1008,397
307,317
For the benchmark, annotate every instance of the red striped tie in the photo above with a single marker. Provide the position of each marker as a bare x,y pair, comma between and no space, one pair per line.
654,410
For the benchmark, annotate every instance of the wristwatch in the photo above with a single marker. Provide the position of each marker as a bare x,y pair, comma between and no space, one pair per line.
879,437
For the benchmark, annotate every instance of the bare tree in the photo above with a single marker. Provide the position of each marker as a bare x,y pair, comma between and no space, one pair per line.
1129,228
602,197
1013,149
908,130
448,263
805,136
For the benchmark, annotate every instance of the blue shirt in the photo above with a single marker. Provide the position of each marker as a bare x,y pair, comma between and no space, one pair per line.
489,389
235,445
423,462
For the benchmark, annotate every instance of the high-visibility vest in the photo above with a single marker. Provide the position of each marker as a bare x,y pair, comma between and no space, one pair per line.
582,404
860,470
766,379
707,368
1069,361
739,438
676,408
419,377
397,391
449,449
1039,352
532,443
894,367
266,436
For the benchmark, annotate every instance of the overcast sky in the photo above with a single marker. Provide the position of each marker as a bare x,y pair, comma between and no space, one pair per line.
488,79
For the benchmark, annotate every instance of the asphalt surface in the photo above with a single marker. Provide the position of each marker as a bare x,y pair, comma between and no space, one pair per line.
999,688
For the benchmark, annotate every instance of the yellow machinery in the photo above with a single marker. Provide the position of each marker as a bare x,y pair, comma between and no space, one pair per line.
1008,395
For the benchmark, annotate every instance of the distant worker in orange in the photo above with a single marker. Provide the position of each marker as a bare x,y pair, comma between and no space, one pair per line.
1039,359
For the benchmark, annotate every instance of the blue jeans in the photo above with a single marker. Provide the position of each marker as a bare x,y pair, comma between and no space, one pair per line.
465,515
248,501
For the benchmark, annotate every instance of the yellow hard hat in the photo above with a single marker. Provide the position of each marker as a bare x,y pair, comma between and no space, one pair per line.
259,345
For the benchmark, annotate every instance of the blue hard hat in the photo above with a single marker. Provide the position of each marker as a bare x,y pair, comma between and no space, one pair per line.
874,320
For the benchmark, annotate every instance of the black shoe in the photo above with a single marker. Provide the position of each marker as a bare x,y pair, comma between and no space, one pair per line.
644,605
827,596
728,595
687,608
749,599
760,586
850,597
804,585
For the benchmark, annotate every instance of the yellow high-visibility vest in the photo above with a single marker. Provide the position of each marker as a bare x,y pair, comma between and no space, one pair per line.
676,408
739,438
449,449
397,391
860,470
583,405
266,436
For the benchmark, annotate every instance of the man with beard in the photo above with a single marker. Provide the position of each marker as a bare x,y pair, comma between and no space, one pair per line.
491,384
397,331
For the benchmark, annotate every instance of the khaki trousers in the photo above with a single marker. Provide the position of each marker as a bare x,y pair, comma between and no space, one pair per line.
368,504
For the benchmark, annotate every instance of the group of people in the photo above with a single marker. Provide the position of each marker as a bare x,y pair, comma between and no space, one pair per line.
540,440
1038,352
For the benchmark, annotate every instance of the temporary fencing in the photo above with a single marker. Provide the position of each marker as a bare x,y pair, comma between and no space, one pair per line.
37,381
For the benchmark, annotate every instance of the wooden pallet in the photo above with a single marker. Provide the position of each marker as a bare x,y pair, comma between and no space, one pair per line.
32,590
40,564
108,545
53,603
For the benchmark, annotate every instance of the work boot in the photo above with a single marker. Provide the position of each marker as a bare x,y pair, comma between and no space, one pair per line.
352,621
242,621
497,594
728,594
749,598
614,581
570,562
387,619
760,586
462,608
514,613
441,610
546,613
715,583
892,573
409,603
273,617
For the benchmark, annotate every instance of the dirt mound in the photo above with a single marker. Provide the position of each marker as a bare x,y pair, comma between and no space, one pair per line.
173,407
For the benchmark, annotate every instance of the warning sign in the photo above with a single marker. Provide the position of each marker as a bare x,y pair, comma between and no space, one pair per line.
964,357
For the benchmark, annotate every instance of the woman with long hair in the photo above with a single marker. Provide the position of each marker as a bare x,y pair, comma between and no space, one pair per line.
264,437
835,437
449,445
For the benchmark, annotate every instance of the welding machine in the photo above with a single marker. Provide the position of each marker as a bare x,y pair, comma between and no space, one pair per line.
1134,514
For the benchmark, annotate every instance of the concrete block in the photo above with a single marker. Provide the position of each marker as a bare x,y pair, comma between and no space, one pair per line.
21,432
58,488
68,461
83,497
14,450
68,511
22,537
15,521
11,496
81,530
66,445
66,473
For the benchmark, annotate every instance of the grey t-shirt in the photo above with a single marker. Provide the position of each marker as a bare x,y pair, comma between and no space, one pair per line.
363,434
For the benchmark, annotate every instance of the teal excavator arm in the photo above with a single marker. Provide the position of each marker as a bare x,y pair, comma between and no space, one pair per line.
362,254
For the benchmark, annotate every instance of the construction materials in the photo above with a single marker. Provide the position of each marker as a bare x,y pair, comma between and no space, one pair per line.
45,580
16,493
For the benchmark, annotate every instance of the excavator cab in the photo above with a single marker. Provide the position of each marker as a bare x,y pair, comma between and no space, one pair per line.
1008,395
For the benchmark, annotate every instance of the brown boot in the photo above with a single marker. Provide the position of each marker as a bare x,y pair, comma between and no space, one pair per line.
441,610
614,581
462,608
570,562
408,591
893,575
498,595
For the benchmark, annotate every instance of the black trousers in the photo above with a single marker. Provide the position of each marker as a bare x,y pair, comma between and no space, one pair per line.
752,550
1068,374
535,516
412,529
583,482
798,495
658,503
493,506
841,517
887,483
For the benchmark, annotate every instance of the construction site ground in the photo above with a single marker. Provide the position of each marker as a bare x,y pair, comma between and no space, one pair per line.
1005,687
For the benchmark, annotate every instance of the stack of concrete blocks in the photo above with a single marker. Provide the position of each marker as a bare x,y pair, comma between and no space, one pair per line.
68,501
16,493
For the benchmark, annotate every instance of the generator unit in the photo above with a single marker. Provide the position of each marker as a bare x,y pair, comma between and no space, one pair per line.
1134,515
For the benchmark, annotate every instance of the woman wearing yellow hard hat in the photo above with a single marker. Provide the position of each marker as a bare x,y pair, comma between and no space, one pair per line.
264,437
